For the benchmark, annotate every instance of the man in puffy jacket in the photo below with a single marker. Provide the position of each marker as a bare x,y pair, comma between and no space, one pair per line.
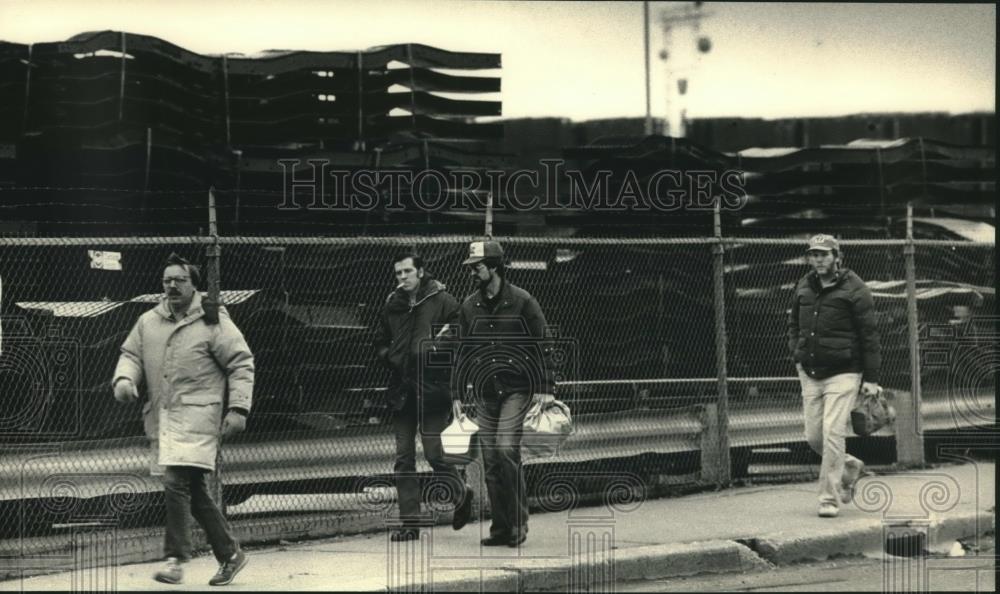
417,314
504,357
835,345
187,353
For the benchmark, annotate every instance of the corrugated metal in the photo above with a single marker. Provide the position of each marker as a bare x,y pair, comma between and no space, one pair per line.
227,297
971,230
100,78
93,309
72,309
364,452
840,187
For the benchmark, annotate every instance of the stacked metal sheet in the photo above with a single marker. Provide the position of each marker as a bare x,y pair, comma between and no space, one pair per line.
111,80
878,176
141,121
862,186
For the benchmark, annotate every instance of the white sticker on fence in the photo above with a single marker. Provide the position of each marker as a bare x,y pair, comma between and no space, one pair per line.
105,260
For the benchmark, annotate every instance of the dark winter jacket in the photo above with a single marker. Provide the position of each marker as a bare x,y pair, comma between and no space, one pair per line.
832,329
406,341
492,340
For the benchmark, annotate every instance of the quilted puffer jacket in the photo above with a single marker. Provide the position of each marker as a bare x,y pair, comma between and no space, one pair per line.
832,329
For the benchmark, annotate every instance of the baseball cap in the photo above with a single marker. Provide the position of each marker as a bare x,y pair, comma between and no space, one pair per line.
480,250
823,242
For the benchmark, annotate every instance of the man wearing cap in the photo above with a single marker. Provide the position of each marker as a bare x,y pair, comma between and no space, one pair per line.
503,359
835,344
415,313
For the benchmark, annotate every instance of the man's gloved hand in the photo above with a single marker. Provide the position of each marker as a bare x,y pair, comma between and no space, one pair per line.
125,391
233,423
870,388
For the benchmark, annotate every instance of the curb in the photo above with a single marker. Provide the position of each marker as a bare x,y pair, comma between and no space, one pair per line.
966,525
687,559
638,563
678,560
783,549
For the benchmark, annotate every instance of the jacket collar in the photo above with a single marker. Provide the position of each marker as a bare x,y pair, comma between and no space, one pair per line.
398,300
195,310
504,294
838,280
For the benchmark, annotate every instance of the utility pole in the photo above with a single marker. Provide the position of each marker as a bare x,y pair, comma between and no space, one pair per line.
645,54
684,17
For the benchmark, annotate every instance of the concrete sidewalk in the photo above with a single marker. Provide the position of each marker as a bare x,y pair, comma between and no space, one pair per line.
740,529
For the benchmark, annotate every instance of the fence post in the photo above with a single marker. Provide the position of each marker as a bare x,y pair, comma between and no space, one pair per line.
715,464
212,256
27,90
361,98
909,429
489,216
225,98
238,154
145,178
121,80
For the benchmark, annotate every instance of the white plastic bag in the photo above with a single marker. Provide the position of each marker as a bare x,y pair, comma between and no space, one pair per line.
459,440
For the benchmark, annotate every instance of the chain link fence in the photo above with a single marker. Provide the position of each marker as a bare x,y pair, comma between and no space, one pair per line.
954,292
636,320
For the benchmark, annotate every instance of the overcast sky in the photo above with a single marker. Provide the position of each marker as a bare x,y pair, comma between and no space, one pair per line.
584,60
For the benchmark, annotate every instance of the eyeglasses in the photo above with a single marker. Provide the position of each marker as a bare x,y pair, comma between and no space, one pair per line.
176,279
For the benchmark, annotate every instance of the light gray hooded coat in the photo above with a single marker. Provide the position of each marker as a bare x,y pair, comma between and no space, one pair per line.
185,365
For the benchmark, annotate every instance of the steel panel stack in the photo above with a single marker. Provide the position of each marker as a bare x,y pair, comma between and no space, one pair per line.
127,132
861,188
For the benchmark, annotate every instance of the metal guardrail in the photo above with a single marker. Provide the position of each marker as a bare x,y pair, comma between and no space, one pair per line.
760,428
124,467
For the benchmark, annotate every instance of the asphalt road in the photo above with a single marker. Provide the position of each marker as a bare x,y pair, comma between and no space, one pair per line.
975,572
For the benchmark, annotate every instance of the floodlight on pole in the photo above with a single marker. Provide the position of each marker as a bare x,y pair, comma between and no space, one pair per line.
681,17
645,37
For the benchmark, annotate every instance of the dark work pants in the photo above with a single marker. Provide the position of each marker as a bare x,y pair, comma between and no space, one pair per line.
186,492
501,423
448,484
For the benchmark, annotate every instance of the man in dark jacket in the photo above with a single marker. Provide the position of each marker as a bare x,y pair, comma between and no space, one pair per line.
835,345
503,358
415,313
